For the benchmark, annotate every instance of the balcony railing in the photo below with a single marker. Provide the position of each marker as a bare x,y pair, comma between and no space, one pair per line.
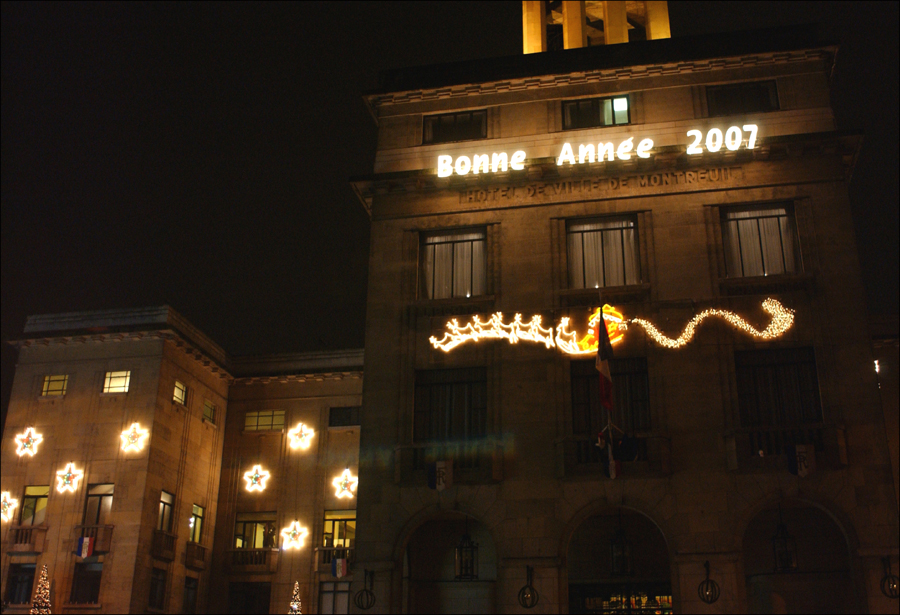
102,535
195,556
579,456
27,538
163,545
325,555
775,440
248,561
474,462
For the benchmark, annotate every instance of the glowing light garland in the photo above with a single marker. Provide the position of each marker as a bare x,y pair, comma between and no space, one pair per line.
133,438
300,436
294,535
67,478
7,505
27,442
345,484
256,478
616,325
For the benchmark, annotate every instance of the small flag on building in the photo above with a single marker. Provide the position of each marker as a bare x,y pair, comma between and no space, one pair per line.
801,459
339,567
440,475
604,354
85,547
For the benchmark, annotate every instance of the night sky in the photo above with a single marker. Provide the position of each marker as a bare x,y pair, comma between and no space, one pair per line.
197,155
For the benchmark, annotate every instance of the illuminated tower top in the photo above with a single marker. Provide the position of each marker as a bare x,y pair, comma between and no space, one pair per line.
551,26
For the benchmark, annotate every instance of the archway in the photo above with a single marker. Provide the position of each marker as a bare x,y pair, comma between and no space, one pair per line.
433,580
815,579
618,561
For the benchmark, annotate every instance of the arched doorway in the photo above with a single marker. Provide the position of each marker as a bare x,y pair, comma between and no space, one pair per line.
434,579
814,577
618,562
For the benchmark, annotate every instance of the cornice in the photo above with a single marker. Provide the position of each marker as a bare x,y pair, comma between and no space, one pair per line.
291,378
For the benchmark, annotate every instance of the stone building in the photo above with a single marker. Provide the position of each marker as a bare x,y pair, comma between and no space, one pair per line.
700,187
131,438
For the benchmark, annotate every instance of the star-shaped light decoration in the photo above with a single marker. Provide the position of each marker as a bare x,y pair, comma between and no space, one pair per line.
7,505
256,478
345,484
294,535
27,442
133,437
300,436
67,479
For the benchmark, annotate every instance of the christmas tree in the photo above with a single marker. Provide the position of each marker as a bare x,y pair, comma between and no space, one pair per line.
295,600
41,602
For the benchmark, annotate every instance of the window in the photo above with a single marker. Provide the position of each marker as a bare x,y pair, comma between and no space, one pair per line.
55,385
735,98
778,395
453,264
343,417
189,603
759,241
179,396
157,589
117,382
19,583
450,405
98,505
264,420
34,505
86,583
340,530
255,531
454,127
196,524
603,252
334,597
209,411
595,112
164,519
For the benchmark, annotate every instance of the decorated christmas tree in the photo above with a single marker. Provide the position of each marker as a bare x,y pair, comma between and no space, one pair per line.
41,602
295,600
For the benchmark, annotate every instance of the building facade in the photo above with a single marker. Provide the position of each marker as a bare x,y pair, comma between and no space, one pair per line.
699,187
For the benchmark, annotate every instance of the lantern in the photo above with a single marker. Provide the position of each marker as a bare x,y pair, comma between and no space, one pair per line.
466,557
528,596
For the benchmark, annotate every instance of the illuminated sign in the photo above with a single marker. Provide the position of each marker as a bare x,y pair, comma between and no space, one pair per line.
67,478
616,326
294,535
27,442
732,138
256,478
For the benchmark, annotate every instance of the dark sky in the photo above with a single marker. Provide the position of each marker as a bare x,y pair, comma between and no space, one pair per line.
198,154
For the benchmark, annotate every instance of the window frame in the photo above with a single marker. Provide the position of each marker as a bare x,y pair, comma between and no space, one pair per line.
334,589
194,592
114,375
209,411
636,250
338,520
48,391
26,498
195,527
183,389
272,428
726,232
596,102
101,513
86,581
334,414
158,580
266,519
743,109
435,119
166,510
17,573
431,382
428,267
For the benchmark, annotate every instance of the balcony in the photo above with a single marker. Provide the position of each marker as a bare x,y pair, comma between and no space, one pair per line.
578,456
476,462
195,556
765,448
26,539
163,545
325,555
253,561
102,535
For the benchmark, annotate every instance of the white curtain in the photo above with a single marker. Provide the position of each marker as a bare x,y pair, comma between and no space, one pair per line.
759,242
454,265
603,253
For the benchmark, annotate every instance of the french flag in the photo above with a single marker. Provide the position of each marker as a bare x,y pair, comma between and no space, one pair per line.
604,354
85,547
339,567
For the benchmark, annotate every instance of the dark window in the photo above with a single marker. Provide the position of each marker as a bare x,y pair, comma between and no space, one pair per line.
209,411
455,127
334,598
189,603
255,531
248,598
777,388
34,505
596,112
196,523
453,264
603,252
19,583
98,505
736,98
164,519
86,583
451,405
759,240
343,417
157,588
264,420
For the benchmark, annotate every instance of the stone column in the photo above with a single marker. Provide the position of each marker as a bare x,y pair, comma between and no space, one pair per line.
615,24
658,20
574,30
534,27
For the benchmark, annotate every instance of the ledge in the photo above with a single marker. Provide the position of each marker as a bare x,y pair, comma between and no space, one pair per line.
757,285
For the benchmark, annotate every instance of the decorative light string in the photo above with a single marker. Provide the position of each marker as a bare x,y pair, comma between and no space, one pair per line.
27,442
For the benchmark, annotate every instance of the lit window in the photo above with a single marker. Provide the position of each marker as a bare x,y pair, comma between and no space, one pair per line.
334,597
340,532
759,241
196,523
116,382
255,531
179,396
740,98
453,264
34,505
164,519
209,411
450,127
55,385
264,420
596,112
603,252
